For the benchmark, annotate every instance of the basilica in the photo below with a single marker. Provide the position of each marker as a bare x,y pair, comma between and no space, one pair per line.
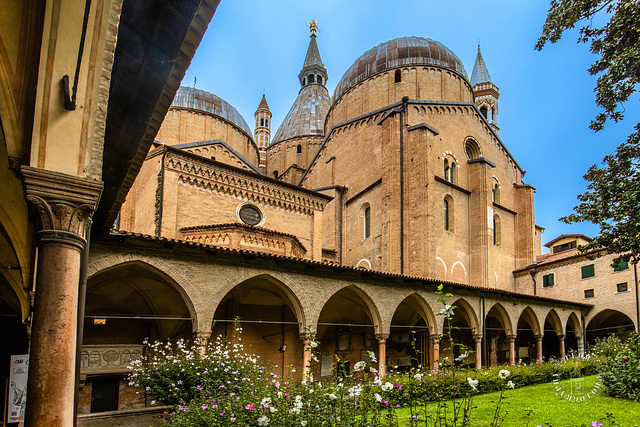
171,218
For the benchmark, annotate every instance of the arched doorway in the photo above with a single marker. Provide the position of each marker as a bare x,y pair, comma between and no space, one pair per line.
550,341
462,325
527,331
346,330
412,327
126,304
270,317
609,322
498,330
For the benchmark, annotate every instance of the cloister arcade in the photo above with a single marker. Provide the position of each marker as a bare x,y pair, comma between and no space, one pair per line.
350,313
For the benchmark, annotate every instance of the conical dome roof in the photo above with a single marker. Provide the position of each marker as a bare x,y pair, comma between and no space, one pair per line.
307,115
480,72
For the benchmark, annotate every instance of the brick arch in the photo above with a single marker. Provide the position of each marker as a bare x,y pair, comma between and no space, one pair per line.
574,321
366,297
181,283
424,309
531,318
504,316
283,281
463,304
553,318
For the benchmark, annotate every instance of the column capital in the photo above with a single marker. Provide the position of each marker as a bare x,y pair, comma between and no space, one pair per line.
539,337
382,337
561,337
511,337
64,204
434,339
305,336
477,337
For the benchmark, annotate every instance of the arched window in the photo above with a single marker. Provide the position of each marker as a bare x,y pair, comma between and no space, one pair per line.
367,222
484,110
311,78
450,171
472,149
448,213
398,76
319,79
299,149
261,122
304,81
495,192
275,174
266,122
496,230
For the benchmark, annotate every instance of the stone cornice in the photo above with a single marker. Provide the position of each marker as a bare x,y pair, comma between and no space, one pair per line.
65,204
243,185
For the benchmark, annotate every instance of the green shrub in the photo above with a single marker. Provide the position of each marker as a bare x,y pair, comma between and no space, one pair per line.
621,371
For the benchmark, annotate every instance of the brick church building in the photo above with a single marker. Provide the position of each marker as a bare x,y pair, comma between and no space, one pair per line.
343,222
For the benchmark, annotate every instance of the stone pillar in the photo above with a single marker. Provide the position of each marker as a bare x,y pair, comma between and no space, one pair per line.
435,352
478,340
203,338
562,349
539,347
580,345
382,354
63,205
512,349
493,351
306,355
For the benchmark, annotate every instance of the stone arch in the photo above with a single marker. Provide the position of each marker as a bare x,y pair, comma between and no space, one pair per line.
444,267
503,317
554,320
411,329
283,281
374,313
609,322
364,264
470,314
550,339
183,284
472,148
529,316
574,322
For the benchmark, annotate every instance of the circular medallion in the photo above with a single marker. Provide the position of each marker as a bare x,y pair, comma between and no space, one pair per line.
250,214
577,388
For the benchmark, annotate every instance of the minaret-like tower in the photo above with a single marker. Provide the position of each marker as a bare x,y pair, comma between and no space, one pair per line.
263,131
313,71
486,93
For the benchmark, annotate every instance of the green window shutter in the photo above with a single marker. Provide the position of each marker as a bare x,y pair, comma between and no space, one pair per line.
551,277
624,265
547,280
588,271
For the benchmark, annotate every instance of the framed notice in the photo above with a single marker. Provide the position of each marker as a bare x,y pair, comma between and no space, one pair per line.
326,364
17,388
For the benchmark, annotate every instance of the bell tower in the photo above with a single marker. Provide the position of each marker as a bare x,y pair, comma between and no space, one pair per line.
263,131
486,94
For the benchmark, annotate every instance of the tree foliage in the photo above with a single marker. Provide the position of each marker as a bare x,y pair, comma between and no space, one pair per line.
612,199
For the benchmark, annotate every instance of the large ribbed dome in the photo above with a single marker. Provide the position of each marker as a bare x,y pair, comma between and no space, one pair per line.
307,114
398,52
196,99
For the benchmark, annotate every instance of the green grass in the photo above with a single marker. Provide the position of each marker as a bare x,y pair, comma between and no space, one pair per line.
549,407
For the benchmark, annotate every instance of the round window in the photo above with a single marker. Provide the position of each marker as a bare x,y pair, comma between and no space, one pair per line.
250,214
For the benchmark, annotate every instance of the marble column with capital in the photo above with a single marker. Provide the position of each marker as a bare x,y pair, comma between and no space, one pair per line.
539,348
63,205
562,349
512,349
306,355
435,352
382,354
478,350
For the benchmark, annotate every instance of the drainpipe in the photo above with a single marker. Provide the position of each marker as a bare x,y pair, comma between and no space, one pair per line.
405,101
533,272
341,191
161,193
484,335
635,273
82,299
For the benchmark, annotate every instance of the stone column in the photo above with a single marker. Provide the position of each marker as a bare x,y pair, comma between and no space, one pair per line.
493,351
306,355
539,347
478,340
580,345
562,349
382,354
63,206
512,349
435,352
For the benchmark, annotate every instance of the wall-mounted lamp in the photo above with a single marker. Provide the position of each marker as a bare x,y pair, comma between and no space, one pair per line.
283,348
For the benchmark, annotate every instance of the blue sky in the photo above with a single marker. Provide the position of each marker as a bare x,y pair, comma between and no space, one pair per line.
546,98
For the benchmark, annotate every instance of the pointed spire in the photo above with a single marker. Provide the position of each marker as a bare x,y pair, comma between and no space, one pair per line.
480,72
313,70
263,103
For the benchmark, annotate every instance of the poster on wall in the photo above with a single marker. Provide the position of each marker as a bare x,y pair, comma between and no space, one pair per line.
17,388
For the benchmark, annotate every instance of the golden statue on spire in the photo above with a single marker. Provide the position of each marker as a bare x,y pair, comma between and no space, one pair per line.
313,26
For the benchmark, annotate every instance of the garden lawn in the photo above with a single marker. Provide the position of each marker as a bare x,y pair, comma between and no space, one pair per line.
549,407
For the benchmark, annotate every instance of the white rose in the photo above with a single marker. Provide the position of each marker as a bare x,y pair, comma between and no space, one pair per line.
503,374
473,383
